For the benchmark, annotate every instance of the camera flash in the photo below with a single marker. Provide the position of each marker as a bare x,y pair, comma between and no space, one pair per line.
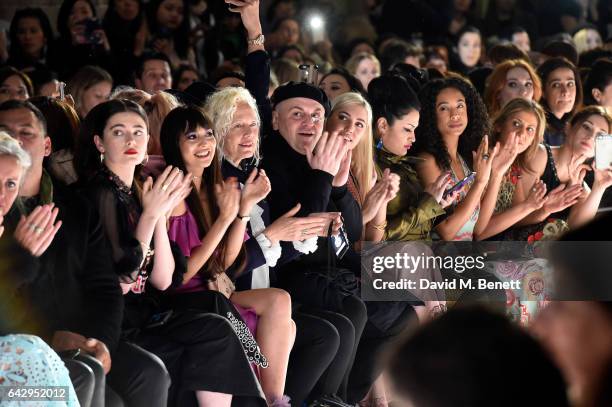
316,22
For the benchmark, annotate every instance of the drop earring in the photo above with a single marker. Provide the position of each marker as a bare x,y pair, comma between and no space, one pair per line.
379,145
101,158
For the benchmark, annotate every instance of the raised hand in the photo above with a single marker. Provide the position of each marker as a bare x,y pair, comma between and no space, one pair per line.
577,169
228,198
325,153
160,197
36,231
483,159
342,176
603,178
256,188
506,155
393,182
249,13
374,199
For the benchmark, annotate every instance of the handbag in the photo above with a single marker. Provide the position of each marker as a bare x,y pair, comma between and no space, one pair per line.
223,284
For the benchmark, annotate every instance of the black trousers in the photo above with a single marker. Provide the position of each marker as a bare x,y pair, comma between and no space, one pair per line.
316,345
377,337
322,298
139,377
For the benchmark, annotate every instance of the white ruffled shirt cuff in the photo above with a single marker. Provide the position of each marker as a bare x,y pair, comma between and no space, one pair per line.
270,252
307,246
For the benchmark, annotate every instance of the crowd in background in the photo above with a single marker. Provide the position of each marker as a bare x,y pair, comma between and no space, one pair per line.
186,189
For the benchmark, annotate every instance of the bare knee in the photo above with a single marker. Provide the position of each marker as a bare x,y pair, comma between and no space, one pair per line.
279,303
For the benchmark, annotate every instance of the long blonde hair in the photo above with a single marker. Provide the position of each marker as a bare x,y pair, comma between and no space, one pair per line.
362,161
516,106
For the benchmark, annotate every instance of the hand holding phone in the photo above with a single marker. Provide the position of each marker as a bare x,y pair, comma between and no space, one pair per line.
459,185
603,151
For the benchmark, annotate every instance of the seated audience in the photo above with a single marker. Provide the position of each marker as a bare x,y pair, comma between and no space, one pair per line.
561,96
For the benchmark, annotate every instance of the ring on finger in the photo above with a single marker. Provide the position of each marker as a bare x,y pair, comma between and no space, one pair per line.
165,187
38,230
32,226
304,231
485,156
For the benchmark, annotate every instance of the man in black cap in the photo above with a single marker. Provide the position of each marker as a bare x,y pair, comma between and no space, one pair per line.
303,163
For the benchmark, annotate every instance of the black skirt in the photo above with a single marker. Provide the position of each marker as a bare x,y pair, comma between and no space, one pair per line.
202,352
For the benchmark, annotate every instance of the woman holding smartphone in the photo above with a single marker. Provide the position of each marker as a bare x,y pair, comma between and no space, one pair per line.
453,140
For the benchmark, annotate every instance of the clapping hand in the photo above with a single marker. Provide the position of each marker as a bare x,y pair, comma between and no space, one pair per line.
36,231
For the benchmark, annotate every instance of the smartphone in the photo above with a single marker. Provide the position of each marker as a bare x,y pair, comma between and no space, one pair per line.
603,151
459,185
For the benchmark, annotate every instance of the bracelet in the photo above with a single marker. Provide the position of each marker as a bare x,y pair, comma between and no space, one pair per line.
146,249
259,40
380,227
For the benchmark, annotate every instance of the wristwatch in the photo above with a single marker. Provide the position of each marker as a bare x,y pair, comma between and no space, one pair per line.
259,40
244,219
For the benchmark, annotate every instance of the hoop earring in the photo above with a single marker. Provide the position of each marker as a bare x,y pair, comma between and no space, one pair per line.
145,160
101,158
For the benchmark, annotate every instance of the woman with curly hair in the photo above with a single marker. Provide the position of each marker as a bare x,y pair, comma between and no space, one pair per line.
453,139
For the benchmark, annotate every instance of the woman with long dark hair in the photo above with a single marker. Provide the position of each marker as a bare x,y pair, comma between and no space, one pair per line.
113,146
30,36
561,96
210,229
81,40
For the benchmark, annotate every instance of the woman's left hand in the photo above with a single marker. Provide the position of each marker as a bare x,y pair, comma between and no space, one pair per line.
577,169
256,188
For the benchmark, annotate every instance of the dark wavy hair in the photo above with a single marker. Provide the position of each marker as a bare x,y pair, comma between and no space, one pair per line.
15,51
428,137
87,157
203,205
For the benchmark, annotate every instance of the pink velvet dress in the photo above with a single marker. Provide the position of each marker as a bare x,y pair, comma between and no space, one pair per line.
183,230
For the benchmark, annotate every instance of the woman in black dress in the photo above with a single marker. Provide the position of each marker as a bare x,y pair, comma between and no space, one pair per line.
199,349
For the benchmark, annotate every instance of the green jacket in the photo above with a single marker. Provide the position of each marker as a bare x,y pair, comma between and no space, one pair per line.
411,213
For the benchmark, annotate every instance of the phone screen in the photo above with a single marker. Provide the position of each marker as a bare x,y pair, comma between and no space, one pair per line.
603,151
459,184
